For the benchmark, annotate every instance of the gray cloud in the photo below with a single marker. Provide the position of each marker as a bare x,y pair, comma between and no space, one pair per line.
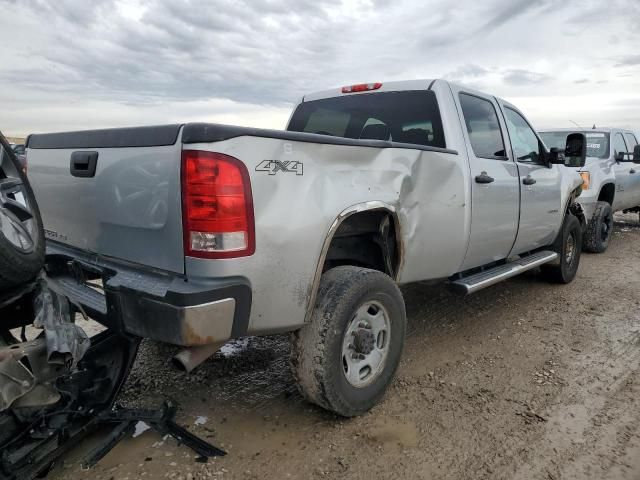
515,9
467,71
628,60
477,75
524,77
123,61
182,50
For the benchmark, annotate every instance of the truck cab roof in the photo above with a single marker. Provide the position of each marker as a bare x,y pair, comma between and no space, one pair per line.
392,86
587,130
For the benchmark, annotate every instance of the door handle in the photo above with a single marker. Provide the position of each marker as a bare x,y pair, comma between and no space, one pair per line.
83,164
528,180
633,170
484,178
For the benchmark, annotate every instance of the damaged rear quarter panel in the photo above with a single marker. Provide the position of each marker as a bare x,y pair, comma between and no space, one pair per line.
294,213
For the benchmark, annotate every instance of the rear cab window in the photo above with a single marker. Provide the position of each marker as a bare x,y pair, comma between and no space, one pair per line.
481,120
404,116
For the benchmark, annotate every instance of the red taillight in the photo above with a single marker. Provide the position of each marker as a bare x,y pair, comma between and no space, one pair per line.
217,207
361,87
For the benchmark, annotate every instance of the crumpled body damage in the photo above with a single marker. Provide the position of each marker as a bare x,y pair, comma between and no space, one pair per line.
294,213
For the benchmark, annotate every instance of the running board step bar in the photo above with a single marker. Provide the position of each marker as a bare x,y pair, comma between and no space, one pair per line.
478,281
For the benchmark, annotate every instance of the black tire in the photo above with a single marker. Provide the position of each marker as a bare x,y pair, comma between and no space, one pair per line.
317,359
18,265
599,229
570,237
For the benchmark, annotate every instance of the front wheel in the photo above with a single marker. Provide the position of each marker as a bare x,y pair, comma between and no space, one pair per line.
346,357
568,245
599,229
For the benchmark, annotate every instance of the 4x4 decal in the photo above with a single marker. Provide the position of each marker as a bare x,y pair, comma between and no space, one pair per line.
275,166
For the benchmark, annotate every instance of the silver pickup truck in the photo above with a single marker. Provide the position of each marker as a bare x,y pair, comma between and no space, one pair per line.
201,233
611,179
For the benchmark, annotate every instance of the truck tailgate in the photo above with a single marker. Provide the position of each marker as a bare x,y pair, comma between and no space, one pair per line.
129,209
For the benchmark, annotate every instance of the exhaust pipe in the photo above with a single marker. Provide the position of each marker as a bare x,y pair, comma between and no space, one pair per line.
189,358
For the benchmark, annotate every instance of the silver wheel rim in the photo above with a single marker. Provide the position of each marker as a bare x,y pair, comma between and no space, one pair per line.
570,249
17,223
365,347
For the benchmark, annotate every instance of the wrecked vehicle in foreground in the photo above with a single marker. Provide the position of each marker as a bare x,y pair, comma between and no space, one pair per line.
56,383
202,233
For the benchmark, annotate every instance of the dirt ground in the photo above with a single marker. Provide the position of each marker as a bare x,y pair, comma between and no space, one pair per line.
524,380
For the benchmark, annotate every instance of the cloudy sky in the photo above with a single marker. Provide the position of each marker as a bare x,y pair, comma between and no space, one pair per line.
75,64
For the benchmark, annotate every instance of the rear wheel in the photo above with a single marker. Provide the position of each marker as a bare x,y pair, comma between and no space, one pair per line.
346,357
599,229
568,245
21,233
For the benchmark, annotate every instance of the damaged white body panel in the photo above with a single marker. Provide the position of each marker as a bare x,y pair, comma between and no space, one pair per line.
450,188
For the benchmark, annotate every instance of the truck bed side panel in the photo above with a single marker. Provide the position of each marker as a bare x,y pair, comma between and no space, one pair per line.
294,212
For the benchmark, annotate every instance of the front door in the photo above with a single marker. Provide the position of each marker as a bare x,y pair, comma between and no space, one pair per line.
625,179
634,170
494,181
541,209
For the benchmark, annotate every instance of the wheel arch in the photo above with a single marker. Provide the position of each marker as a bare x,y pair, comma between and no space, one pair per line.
573,206
349,214
607,193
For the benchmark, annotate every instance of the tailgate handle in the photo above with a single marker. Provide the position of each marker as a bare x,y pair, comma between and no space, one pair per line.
83,164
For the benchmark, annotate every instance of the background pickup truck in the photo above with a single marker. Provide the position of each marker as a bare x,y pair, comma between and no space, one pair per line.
201,233
611,179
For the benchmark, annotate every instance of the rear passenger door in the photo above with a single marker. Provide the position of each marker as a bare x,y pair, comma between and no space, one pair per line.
494,180
541,209
634,169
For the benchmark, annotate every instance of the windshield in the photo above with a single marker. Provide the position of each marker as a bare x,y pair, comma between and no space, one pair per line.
597,142
407,117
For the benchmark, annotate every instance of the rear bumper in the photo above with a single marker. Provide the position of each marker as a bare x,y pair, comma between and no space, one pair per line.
153,304
196,313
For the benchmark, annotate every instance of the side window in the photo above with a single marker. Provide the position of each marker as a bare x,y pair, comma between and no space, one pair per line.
525,143
482,124
631,141
619,144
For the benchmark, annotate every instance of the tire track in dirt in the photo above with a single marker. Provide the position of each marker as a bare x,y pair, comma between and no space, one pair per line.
576,432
